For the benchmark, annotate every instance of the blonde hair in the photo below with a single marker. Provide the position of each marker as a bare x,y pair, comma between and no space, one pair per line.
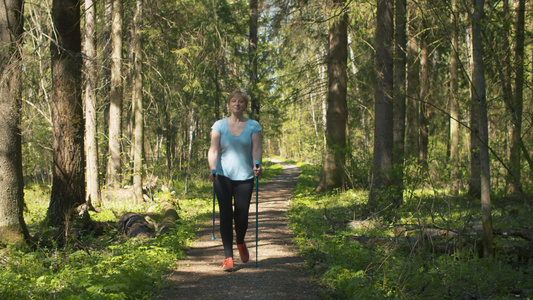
239,94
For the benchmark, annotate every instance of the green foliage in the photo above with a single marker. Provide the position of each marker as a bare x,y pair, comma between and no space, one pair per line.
375,262
108,266
105,267
270,170
122,271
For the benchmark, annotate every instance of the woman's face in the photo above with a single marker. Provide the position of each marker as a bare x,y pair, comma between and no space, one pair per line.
237,105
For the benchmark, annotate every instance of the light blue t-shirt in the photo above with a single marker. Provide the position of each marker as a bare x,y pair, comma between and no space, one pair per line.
235,155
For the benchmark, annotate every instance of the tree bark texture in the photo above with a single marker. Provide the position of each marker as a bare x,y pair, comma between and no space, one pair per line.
383,121
254,14
336,115
68,190
505,69
454,103
474,184
413,93
424,99
12,225
479,96
114,166
400,59
137,99
518,97
91,141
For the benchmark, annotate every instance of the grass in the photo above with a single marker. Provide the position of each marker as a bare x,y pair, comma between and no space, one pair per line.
94,267
375,263
109,266
105,266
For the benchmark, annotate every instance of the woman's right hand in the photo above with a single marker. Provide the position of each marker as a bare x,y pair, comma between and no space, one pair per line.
213,176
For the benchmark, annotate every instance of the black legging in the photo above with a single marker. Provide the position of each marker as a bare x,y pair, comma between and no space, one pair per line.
241,191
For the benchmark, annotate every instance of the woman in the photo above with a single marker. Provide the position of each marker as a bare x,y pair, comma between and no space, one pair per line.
235,146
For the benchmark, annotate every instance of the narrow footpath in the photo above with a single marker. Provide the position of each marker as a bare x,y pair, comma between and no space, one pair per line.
279,273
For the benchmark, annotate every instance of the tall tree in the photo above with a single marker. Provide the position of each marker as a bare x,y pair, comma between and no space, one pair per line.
114,167
400,60
383,121
518,97
137,100
413,92
454,104
68,186
424,98
254,14
333,174
12,225
480,98
91,142
474,183
505,70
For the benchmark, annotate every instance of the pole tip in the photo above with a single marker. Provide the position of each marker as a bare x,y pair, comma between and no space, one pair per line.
213,238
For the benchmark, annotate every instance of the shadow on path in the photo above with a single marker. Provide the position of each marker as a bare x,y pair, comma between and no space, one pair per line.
279,274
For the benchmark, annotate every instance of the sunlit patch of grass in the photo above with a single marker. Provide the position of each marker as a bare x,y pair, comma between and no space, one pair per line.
375,263
37,198
109,267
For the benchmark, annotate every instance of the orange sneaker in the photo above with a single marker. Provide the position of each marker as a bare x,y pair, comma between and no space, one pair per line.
243,251
227,265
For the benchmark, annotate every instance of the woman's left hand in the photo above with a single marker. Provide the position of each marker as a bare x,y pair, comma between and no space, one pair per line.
258,170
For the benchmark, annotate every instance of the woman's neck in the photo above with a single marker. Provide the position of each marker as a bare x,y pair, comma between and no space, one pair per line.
237,118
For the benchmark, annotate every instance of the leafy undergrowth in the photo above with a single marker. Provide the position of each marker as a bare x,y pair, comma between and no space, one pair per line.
107,265
375,261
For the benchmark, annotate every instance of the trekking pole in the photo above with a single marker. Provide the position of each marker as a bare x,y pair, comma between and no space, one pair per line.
256,214
214,174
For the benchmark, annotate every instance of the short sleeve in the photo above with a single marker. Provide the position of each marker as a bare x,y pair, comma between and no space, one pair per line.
255,126
218,126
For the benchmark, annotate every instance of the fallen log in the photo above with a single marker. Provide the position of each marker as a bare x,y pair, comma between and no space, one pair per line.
521,233
135,226
170,216
448,241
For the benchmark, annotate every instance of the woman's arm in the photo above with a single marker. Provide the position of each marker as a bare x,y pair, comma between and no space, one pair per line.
257,152
212,154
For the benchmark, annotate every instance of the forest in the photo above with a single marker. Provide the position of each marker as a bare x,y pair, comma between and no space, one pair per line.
412,121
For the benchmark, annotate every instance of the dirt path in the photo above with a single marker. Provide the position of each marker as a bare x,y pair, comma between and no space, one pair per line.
279,274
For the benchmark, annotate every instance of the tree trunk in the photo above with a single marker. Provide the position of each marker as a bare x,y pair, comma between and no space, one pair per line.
218,61
505,70
68,189
105,41
333,174
313,114
474,184
253,59
12,225
322,71
400,36
93,184
479,97
424,98
518,97
413,93
363,109
454,104
114,166
383,121
137,99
